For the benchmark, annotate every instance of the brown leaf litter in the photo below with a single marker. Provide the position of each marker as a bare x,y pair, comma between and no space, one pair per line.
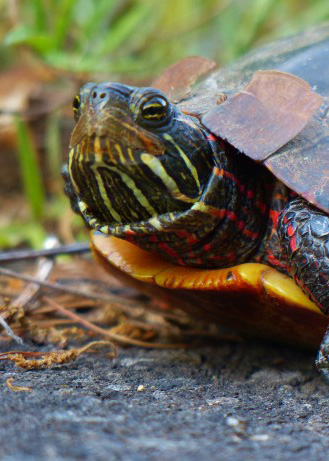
75,307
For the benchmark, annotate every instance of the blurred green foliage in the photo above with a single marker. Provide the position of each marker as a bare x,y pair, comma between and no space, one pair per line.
140,37
30,171
131,40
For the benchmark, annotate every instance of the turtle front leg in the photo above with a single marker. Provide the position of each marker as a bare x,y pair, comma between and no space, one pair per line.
303,232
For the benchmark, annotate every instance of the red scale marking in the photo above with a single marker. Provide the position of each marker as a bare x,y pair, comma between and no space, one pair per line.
207,247
274,215
166,248
240,224
220,213
229,257
130,232
182,233
250,234
274,261
310,295
261,205
192,239
211,137
290,231
231,215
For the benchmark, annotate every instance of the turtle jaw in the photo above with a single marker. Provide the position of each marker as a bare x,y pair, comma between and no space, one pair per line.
119,186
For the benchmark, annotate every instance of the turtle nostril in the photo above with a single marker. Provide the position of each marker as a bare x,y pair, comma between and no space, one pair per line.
98,96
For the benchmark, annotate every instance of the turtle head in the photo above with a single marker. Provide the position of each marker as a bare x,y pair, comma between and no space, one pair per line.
134,156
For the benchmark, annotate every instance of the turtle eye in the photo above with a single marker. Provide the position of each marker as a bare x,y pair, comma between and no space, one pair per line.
76,107
154,110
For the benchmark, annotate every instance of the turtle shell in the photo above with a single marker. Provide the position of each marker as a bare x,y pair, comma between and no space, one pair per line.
303,162
252,298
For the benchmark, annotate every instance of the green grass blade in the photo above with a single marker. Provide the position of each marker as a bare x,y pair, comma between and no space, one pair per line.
40,15
125,28
63,22
54,152
30,171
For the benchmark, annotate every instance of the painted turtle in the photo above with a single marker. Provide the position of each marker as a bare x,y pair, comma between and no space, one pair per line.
218,192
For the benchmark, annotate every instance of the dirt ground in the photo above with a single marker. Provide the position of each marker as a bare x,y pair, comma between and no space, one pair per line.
242,401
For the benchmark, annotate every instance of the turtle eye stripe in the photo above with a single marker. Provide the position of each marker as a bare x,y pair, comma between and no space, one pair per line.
76,106
76,103
155,111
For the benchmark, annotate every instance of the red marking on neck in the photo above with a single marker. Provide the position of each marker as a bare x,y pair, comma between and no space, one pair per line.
229,257
293,244
290,231
274,215
207,247
211,137
250,193
190,238
251,234
166,248
130,232
231,216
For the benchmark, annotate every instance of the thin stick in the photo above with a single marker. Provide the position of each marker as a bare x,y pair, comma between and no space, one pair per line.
103,332
10,332
125,306
20,255
30,292
64,289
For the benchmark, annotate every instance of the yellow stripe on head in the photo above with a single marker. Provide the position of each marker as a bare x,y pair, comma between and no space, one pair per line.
158,169
187,161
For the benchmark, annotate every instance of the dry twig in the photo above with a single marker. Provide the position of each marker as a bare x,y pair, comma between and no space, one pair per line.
9,383
46,359
101,331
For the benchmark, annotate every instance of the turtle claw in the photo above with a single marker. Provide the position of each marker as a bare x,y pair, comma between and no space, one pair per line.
322,361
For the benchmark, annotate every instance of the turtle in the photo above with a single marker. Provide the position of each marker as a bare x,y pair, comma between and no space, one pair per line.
210,187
